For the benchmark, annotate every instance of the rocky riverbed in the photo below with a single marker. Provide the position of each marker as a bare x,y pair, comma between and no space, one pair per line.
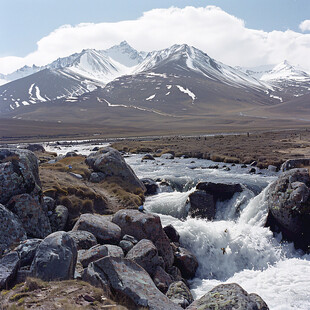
78,218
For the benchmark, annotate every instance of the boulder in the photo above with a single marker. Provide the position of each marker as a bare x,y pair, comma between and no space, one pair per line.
55,258
9,265
295,163
145,226
71,154
288,201
186,262
110,162
11,229
114,250
104,230
203,200
220,191
150,185
167,156
35,148
31,215
18,173
148,157
27,250
162,279
84,240
180,294
228,296
59,218
129,282
98,251
175,273
96,177
127,243
145,254
49,203
201,205
171,233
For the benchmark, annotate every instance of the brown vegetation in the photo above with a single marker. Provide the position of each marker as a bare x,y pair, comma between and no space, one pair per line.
81,196
267,148
67,295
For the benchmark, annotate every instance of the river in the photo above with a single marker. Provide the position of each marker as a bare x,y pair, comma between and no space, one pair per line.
253,257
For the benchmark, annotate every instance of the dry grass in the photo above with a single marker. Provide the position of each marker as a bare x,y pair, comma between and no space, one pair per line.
267,148
36,294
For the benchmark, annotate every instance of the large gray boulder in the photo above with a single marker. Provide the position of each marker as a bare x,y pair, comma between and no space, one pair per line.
31,214
111,163
180,294
289,206
145,254
84,240
27,250
19,173
228,296
11,229
295,163
145,226
129,282
55,258
9,265
98,251
105,231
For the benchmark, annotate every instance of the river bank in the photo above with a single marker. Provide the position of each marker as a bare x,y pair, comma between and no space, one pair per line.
266,148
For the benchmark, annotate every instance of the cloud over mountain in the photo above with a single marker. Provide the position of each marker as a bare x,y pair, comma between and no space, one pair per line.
210,29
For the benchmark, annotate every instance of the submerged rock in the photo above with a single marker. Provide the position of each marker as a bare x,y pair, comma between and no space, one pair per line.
151,186
201,205
228,296
203,200
129,282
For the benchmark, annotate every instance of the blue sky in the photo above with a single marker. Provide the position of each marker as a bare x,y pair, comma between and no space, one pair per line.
24,22
236,32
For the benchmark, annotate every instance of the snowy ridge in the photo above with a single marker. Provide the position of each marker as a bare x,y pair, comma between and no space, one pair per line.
190,58
285,71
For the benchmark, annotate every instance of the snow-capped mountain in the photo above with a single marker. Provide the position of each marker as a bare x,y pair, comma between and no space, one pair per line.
18,74
92,63
285,71
125,54
193,59
179,80
73,75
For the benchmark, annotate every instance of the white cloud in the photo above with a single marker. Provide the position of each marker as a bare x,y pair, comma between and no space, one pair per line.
305,25
221,35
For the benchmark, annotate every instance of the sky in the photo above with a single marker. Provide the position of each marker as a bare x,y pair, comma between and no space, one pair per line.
237,32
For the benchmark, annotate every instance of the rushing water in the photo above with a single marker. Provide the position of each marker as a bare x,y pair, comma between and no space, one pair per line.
253,257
